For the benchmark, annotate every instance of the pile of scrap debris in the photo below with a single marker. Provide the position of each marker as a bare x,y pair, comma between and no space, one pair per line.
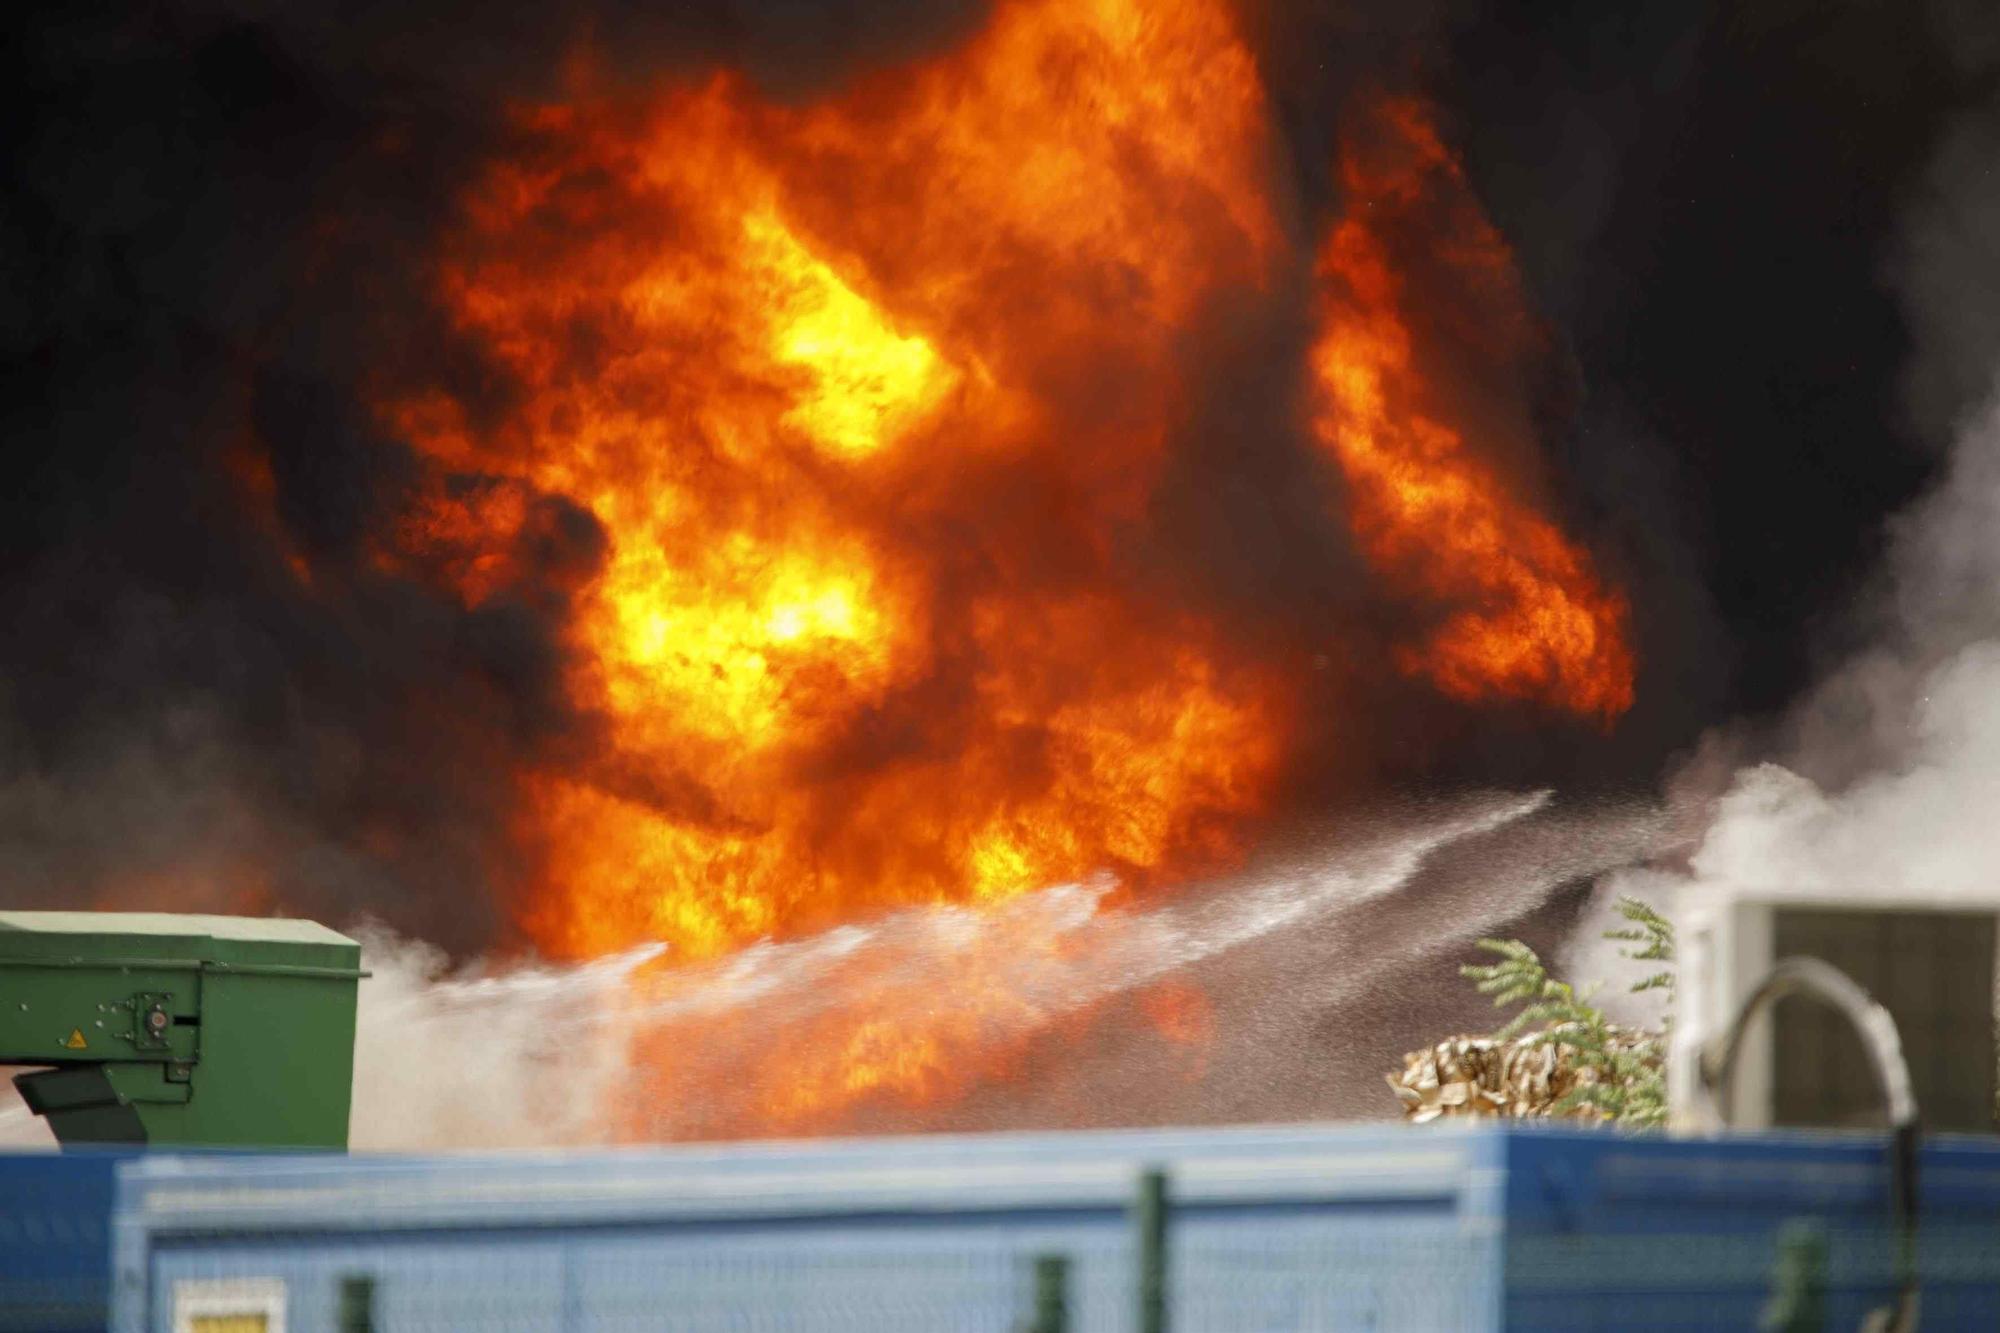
1534,1074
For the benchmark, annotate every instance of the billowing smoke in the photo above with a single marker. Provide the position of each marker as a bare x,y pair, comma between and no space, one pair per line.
221,222
1886,774
476,1056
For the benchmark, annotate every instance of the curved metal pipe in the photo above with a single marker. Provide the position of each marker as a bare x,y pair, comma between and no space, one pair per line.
1820,980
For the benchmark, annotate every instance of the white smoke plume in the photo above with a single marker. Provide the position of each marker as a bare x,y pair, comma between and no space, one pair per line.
484,1056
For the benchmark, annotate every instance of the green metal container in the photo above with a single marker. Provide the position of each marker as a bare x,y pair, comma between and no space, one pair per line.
183,1030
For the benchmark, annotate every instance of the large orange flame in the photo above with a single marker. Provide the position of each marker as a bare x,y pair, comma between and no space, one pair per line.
1528,617
863,396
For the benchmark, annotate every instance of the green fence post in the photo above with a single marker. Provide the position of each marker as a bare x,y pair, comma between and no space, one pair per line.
1798,1282
1150,1223
1051,1314
357,1303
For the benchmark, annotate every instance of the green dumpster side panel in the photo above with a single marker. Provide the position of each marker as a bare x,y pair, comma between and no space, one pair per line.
198,1030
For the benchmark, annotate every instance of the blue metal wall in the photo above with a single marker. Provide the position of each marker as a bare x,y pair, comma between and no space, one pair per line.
1459,1227
1272,1229
1640,1232
55,1220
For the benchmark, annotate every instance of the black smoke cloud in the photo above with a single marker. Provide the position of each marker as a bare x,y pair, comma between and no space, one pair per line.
216,224
1708,198
208,237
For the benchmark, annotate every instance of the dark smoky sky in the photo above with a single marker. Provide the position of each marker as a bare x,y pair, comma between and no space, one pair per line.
1707,198
216,218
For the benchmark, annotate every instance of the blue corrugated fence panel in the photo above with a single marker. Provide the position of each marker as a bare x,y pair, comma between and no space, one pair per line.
1445,1228
55,1238
1279,1229
1611,1231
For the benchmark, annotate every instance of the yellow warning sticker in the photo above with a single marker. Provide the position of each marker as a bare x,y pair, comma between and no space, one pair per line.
75,1042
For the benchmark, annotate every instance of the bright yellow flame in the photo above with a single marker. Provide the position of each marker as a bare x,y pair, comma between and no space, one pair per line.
720,648
868,384
1001,867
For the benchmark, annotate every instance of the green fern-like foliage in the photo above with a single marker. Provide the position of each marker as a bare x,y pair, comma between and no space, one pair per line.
1629,1083
1654,935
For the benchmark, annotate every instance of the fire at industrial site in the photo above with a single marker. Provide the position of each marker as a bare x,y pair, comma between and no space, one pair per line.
1018,564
